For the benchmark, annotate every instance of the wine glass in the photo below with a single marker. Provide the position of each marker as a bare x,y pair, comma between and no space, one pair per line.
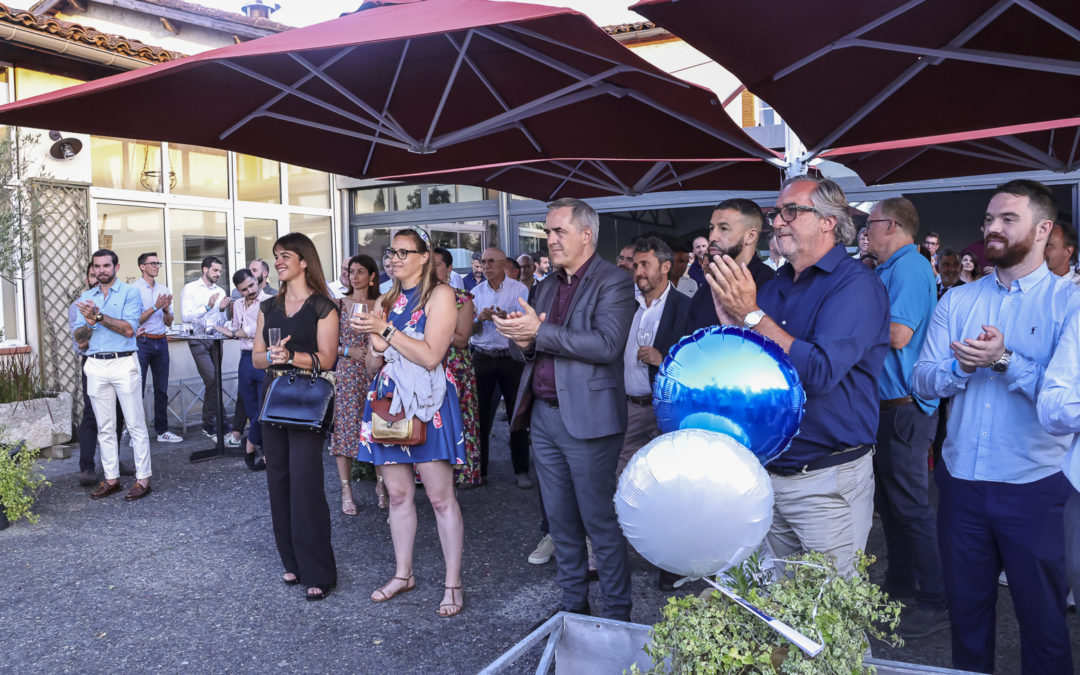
645,338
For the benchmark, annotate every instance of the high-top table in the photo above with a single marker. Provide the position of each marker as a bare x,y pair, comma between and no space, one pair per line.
219,450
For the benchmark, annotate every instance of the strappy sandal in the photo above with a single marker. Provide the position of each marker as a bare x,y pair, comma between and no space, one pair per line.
324,592
348,506
380,492
410,583
455,607
288,581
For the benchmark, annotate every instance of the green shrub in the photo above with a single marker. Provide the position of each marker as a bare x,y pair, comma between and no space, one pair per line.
20,481
715,635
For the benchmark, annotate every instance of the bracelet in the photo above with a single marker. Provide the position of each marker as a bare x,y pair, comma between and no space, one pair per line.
346,354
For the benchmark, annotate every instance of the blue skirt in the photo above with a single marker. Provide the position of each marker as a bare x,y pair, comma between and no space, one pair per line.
445,432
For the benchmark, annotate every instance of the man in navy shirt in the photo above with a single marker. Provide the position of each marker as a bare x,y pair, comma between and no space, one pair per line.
734,230
830,314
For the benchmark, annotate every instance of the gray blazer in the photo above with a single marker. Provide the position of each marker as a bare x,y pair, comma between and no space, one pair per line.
588,351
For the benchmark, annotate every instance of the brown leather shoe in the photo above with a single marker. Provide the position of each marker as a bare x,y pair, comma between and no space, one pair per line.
105,489
138,491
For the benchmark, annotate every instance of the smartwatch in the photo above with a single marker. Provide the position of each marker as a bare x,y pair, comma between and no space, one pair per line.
388,331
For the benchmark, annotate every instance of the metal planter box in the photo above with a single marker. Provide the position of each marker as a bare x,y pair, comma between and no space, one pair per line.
584,644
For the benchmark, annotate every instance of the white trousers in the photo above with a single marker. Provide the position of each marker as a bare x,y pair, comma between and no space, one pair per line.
106,381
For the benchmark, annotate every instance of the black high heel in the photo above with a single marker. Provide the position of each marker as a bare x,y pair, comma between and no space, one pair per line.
324,592
252,463
290,582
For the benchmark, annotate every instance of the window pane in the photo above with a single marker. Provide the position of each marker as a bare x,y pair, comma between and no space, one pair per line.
308,188
125,164
372,242
258,180
9,301
129,231
200,172
441,194
259,237
374,200
195,235
446,194
531,238
444,238
408,197
317,228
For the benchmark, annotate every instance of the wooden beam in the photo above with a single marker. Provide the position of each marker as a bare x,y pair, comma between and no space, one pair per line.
168,26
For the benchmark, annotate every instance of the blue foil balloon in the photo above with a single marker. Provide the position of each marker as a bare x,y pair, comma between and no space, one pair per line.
733,381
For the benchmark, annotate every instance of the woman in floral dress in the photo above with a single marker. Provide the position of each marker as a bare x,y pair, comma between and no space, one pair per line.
352,378
459,362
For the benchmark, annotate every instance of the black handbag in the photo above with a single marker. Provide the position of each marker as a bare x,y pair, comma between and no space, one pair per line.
300,400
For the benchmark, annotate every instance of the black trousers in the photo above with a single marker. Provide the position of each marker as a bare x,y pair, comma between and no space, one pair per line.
298,508
87,430
505,373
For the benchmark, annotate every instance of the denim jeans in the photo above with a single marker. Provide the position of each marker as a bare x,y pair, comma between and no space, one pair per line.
154,353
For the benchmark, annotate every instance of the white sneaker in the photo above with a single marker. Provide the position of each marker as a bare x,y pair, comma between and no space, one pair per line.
231,441
169,437
544,550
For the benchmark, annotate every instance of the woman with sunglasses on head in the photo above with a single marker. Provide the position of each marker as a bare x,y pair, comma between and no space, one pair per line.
308,320
410,335
353,380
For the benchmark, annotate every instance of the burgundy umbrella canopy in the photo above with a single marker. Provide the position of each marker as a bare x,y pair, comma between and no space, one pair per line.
410,86
547,180
847,73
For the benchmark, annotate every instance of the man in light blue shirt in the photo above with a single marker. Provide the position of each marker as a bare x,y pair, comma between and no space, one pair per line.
907,422
108,317
1001,487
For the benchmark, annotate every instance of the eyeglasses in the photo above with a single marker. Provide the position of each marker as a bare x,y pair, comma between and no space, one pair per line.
788,212
154,264
882,220
401,253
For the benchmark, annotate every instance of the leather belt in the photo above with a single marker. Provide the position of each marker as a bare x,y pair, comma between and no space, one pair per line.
896,402
492,353
110,355
827,462
154,336
644,399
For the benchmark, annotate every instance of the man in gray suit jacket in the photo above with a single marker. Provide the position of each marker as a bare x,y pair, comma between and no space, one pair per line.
573,396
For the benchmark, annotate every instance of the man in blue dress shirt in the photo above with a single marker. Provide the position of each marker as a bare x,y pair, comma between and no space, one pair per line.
108,317
830,314
907,424
1002,492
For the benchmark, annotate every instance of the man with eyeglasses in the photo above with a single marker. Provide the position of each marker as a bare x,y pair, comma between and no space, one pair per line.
153,348
494,365
907,423
734,230
830,314
625,260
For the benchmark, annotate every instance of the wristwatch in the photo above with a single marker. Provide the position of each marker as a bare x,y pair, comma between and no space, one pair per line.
289,361
1002,364
753,318
388,331
99,317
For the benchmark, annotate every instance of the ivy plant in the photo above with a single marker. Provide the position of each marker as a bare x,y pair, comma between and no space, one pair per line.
715,635
20,481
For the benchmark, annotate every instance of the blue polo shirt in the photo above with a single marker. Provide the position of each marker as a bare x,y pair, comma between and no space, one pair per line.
912,287
123,302
838,313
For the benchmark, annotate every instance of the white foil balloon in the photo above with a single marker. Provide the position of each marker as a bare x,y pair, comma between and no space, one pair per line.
694,502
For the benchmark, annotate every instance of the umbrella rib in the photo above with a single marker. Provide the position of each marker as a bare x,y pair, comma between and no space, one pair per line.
556,99
1018,161
337,130
1059,66
905,163
572,172
544,38
606,170
998,152
817,54
299,94
615,185
683,177
743,145
495,94
353,98
1032,152
449,85
1076,140
648,176
386,104
277,97
554,174
1051,19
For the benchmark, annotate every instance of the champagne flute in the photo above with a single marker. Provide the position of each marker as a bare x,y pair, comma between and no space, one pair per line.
645,338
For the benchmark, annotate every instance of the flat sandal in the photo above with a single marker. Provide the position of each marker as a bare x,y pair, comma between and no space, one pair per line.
402,589
457,606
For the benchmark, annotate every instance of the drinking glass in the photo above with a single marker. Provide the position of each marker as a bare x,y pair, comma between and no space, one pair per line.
645,338
358,309
275,337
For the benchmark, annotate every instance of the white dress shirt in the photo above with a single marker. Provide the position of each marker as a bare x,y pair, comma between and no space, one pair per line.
337,289
193,300
506,298
686,286
642,334
155,325
456,280
246,319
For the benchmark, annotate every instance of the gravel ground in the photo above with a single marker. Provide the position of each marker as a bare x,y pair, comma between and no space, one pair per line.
187,579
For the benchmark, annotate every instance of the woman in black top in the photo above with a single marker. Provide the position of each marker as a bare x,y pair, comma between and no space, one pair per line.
308,320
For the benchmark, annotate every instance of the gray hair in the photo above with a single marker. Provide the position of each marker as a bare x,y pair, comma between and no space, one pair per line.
581,214
829,200
657,245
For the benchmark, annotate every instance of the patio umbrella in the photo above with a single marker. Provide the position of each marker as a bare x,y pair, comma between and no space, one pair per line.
410,86
551,179
846,73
